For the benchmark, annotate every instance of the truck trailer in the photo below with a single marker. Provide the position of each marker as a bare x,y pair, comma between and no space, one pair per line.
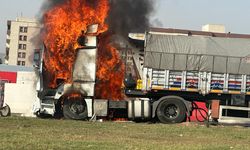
173,72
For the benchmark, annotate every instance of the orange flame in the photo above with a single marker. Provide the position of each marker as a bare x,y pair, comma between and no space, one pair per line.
63,24
110,71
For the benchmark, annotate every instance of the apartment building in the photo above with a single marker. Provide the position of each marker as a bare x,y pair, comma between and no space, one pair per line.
20,45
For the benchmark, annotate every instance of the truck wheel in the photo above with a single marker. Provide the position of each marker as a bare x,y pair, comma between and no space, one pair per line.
171,110
75,109
5,111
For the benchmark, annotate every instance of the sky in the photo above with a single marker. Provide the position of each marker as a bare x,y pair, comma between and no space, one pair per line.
192,14
180,14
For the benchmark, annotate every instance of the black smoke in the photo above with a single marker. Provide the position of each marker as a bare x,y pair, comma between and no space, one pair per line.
129,16
125,16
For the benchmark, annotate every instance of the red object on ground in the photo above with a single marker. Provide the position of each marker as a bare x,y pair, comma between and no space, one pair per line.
10,77
200,113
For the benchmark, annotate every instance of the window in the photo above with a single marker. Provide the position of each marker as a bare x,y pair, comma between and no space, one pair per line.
25,29
23,55
7,50
20,46
19,55
9,26
25,38
19,63
20,37
21,29
24,46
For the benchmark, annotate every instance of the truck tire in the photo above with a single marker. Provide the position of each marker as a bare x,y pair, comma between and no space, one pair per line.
5,111
75,109
171,110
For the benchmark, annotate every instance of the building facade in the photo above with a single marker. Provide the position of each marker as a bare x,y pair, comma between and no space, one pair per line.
20,42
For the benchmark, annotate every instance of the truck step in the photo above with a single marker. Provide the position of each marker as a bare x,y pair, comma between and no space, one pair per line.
47,105
232,119
48,97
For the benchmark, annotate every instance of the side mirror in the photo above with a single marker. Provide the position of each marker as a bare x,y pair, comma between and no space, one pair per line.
37,59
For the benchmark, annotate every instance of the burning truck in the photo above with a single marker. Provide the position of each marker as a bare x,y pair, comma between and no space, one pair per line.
81,75
170,81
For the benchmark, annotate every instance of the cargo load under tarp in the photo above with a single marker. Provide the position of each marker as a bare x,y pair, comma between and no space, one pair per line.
198,53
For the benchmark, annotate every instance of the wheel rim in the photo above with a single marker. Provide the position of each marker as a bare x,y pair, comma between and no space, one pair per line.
171,111
77,107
